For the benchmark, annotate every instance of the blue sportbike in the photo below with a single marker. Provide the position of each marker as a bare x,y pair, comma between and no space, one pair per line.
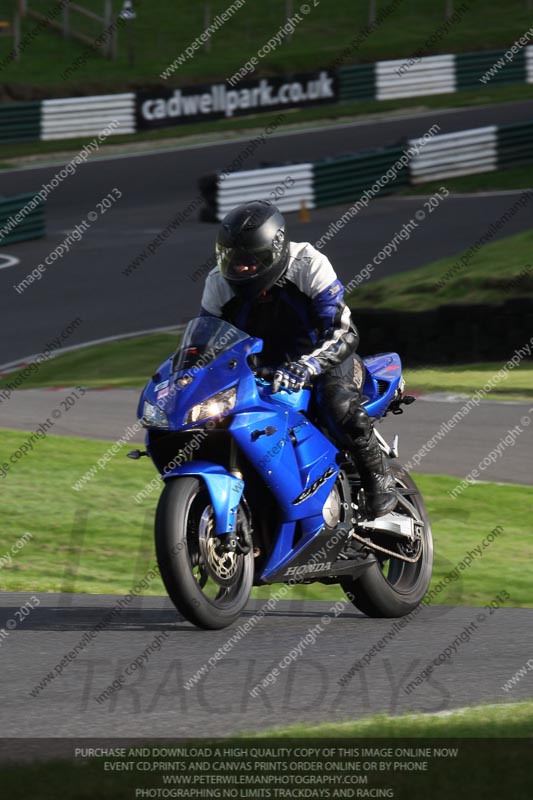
256,492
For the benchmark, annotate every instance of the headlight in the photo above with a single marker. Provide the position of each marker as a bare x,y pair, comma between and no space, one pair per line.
214,406
153,416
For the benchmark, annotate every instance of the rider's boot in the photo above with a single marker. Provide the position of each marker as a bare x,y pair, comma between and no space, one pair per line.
376,475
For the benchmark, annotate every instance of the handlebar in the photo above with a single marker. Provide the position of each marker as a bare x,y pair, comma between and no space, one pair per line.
266,374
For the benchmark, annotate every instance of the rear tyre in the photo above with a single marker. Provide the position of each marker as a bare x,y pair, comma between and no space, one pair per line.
209,587
392,587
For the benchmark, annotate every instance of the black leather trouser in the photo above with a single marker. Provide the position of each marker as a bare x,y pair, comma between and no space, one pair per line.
338,402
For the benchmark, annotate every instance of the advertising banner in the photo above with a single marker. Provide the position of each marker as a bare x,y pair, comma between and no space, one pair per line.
163,107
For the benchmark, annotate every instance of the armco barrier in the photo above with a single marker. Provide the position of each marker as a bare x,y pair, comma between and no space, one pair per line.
384,80
515,144
87,116
431,75
286,186
471,67
340,180
20,122
452,154
335,180
15,227
346,178
357,83
529,64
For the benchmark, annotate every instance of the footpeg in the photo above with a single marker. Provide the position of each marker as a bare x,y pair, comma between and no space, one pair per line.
395,524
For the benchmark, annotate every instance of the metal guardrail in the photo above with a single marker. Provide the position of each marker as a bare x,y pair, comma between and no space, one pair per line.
20,122
286,186
384,80
429,76
515,144
340,180
470,67
86,116
17,227
346,178
453,154
357,83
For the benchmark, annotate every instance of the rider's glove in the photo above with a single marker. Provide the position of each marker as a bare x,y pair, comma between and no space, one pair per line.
294,375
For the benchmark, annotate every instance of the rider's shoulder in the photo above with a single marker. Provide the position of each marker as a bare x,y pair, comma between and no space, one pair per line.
217,288
309,268
305,250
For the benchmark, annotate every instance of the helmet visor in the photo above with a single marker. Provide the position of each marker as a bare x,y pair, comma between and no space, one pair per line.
243,265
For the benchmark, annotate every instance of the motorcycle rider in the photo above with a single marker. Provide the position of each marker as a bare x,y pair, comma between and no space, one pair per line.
287,293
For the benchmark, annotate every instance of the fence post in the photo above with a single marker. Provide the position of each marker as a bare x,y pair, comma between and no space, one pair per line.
449,9
22,8
66,20
207,22
16,34
108,13
288,15
372,12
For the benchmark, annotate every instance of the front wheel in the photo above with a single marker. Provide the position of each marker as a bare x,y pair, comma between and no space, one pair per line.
209,586
392,587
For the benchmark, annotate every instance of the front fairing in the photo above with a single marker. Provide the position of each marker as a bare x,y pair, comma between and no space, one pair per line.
176,393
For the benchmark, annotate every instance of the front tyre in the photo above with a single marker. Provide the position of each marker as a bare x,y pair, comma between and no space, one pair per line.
208,586
392,587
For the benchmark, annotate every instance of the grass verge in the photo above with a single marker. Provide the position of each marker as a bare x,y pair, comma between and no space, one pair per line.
493,721
500,180
126,363
129,362
468,378
99,540
320,36
497,272
383,761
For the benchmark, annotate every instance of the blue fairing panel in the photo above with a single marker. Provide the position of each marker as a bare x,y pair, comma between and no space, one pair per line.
383,376
225,490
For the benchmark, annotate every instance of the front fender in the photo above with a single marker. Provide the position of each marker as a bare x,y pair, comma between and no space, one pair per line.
225,490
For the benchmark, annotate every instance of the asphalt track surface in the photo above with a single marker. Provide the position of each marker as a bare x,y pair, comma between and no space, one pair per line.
89,283
107,415
153,699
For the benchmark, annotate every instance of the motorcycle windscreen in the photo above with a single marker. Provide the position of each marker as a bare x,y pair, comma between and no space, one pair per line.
204,339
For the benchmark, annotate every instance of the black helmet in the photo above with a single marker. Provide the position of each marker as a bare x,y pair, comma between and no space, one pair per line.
252,249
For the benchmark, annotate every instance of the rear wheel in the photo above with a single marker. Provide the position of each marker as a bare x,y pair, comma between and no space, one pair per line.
393,587
209,586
